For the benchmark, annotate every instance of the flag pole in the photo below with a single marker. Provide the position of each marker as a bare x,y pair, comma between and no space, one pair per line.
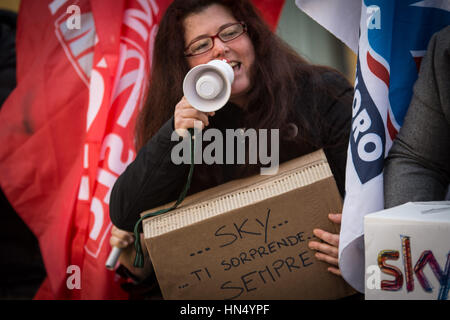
112,258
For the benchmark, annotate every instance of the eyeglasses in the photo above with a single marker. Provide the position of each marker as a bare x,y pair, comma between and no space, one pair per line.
206,43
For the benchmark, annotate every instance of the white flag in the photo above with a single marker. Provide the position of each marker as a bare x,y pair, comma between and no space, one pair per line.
341,18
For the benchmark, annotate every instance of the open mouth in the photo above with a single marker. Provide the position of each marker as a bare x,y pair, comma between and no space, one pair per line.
235,65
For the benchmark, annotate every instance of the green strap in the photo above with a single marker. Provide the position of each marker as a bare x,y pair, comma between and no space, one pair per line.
139,259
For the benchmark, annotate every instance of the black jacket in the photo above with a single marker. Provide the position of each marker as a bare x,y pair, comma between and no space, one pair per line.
153,180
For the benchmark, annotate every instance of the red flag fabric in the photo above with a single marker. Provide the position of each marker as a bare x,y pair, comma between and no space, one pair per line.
67,130
270,10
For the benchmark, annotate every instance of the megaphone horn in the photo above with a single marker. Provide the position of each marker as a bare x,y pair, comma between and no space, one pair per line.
207,87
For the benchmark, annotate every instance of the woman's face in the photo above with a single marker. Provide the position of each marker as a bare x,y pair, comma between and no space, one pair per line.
238,52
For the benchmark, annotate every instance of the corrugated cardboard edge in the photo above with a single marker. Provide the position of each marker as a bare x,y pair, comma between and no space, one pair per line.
239,193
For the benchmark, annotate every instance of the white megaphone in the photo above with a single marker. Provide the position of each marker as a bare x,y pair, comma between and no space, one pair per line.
207,87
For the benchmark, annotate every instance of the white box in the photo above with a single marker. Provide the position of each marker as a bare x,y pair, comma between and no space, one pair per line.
407,251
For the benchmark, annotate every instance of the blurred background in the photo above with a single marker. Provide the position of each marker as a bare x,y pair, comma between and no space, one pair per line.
314,42
21,264
12,5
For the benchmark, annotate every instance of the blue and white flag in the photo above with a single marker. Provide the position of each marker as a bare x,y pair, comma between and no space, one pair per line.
393,37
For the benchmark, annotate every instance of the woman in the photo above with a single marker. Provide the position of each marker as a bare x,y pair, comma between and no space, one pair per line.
273,88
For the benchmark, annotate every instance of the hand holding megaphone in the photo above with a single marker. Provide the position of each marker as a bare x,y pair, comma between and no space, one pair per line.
207,87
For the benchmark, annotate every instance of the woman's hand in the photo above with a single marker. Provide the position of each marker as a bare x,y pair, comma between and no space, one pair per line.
125,240
120,238
328,251
185,115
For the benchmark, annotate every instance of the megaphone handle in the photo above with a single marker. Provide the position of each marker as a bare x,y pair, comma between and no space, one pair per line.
112,258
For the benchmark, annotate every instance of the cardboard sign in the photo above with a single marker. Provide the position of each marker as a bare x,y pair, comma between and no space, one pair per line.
408,252
247,239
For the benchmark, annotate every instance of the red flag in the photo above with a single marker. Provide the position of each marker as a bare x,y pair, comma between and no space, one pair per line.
270,10
68,129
